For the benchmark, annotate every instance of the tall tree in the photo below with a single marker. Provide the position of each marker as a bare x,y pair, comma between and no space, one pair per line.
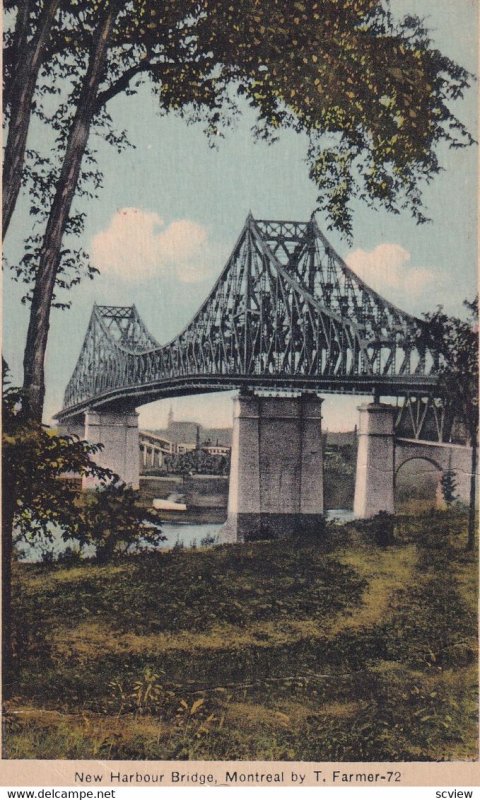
371,93
50,252
38,498
456,342
32,496
22,75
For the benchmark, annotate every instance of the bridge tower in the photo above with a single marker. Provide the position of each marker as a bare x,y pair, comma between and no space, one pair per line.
276,474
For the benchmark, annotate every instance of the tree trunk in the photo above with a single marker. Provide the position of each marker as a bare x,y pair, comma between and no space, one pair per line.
8,510
49,259
106,550
29,59
473,495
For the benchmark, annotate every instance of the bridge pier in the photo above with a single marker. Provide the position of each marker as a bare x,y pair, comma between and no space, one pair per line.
276,473
375,475
73,427
118,432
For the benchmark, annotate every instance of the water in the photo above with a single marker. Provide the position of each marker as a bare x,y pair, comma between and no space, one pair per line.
187,534
341,515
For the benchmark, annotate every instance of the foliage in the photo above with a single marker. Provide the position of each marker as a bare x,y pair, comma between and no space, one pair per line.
436,624
37,462
449,486
191,719
112,520
198,461
208,540
339,475
400,717
379,529
371,91
371,94
145,695
198,590
135,676
456,342
43,469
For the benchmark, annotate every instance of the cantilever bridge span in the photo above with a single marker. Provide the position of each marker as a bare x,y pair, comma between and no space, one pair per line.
286,315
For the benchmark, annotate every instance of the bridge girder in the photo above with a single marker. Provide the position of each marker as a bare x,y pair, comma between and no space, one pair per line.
285,313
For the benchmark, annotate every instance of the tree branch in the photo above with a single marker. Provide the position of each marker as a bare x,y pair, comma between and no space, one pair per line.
121,84
137,69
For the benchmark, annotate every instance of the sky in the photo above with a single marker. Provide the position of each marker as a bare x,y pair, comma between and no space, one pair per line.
172,208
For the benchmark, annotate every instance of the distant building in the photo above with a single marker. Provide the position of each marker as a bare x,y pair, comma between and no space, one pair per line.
180,432
153,449
185,433
158,447
216,450
218,436
185,447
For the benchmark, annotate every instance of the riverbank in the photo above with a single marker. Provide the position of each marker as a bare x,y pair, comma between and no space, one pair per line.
206,496
319,650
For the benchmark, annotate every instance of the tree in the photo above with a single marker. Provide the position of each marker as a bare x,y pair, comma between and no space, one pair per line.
33,497
22,78
112,520
371,93
38,498
449,485
50,251
455,341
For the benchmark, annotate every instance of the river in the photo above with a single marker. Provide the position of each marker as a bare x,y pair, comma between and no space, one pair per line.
179,534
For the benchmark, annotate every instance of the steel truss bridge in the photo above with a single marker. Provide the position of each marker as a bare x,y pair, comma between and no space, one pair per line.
286,314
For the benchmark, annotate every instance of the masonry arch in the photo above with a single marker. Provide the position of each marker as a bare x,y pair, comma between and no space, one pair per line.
418,484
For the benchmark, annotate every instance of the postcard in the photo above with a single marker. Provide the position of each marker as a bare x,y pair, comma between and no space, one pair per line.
240,404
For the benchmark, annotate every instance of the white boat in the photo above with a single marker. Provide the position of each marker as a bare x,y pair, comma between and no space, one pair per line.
168,505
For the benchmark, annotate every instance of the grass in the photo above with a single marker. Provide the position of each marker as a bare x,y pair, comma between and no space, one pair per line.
332,649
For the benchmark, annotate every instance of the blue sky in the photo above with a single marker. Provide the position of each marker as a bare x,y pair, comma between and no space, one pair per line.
172,208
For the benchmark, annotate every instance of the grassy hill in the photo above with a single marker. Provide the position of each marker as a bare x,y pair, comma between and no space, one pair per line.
329,649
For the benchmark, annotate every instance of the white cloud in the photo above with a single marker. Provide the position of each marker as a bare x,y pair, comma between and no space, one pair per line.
387,267
137,245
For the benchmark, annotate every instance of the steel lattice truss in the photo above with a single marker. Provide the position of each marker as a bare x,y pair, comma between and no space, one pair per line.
285,314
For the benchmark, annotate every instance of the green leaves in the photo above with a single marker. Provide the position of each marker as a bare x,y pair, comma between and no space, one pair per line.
112,519
44,470
341,70
455,341
38,464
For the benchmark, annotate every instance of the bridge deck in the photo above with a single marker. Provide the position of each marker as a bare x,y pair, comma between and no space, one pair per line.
285,314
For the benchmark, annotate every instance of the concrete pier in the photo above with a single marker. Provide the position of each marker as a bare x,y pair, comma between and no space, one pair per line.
374,483
276,474
73,427
118,432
